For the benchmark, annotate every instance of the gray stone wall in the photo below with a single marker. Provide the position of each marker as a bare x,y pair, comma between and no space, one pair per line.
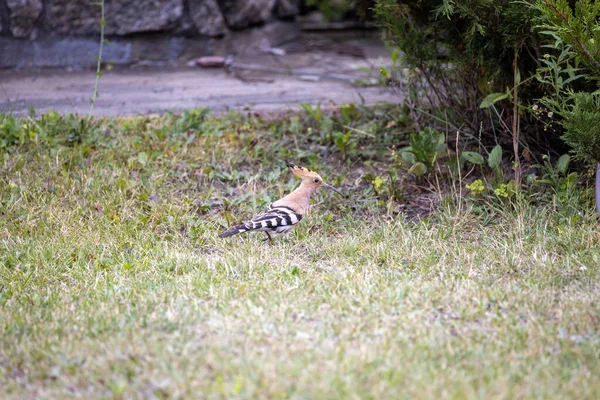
58,33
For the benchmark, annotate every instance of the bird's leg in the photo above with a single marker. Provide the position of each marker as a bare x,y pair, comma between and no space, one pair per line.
268,236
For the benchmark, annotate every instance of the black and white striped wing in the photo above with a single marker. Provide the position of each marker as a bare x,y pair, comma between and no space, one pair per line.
278,219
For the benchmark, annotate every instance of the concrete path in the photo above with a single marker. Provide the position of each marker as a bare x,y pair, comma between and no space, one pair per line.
309,76
159,90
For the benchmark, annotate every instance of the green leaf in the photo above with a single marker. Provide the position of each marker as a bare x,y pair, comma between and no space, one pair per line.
383,71
408,156
483,85
121,184
511,187
395,55
495,157
318,113
571,79
492,98
418,169
307,109
563,163
473,157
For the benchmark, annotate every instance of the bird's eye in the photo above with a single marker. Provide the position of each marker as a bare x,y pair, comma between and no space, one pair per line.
316,180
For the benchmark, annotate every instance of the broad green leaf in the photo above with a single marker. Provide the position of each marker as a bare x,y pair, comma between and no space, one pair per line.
563,163
418,169
441,146
483,85
408,156
495,157
473,157
492,98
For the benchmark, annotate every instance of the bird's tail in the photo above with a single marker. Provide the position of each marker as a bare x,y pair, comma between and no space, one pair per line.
234,231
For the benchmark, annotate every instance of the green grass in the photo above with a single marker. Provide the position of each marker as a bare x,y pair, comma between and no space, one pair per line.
113,283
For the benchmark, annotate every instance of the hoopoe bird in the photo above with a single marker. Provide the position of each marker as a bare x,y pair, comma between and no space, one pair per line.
283,214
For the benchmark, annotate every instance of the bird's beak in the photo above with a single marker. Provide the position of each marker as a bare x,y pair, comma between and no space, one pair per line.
328,186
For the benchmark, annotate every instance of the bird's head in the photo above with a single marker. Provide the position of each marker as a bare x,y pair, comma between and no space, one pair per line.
311,178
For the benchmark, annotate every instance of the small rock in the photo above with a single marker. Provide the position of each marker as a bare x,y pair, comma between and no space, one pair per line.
211,62
275,51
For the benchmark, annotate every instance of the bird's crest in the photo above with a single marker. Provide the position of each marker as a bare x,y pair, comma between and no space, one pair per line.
303,172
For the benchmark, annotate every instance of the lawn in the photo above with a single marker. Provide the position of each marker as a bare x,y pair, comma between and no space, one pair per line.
114,284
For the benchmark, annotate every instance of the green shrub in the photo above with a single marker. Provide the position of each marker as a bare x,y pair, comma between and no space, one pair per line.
581,122
465,51
576,24
573,75
424,150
